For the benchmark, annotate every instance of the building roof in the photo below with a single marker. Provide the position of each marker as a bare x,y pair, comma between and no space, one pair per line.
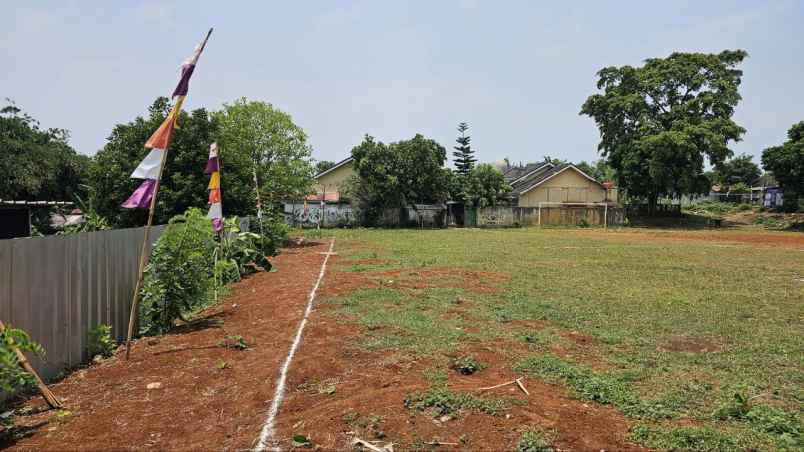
334,167
514,174
544,176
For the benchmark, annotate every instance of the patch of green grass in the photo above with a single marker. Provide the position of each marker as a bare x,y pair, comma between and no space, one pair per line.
683,438
598,387
408,320
533,440
632,291
444,401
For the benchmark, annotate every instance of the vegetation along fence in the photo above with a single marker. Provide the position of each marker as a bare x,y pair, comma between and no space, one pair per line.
57,288
549,215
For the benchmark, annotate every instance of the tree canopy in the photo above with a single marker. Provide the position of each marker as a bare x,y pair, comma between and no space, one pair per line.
599,169
323,165
486,186
37,164
464,155
183,181
257,132
786,162
740,169
399,174
658,122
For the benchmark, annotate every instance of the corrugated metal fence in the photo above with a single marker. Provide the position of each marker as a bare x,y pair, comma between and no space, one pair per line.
59,287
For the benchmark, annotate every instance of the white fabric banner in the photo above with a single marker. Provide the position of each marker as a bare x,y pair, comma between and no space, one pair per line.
215,211
213,150
149,167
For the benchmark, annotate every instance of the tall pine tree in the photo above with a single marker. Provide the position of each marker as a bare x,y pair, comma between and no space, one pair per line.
464,155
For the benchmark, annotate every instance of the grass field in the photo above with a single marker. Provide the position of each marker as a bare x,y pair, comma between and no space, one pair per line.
696,337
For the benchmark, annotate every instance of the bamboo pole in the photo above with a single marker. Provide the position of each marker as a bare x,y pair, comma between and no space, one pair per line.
50,398
143,255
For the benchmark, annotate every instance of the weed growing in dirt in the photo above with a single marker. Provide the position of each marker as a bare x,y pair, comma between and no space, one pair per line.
602,388
221,365
533,440
100,342
466,365
684,438
444,401
234,342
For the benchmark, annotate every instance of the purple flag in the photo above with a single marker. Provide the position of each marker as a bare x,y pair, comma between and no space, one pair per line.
184,81
141,198
217,224
212,166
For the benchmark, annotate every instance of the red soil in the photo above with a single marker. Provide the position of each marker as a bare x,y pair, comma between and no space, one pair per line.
767,238
334,388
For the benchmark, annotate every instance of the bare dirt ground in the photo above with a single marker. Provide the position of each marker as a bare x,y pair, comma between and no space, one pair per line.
215,398
747,236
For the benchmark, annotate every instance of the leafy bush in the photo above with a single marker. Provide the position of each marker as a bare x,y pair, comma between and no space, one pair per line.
12,376
187,264
179,275
100,342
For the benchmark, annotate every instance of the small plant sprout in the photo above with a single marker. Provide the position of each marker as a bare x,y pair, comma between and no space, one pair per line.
466,365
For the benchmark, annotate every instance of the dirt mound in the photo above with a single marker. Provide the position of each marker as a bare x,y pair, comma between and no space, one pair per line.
690,345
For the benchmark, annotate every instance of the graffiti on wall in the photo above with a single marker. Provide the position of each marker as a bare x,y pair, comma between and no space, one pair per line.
314,215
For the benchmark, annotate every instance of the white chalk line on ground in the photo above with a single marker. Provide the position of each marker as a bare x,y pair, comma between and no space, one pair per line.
267,433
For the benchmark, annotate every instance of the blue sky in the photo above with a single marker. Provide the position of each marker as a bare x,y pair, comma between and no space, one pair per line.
517,71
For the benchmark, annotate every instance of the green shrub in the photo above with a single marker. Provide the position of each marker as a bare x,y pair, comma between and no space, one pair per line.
189,262
12,377
533,440
100,342
179,275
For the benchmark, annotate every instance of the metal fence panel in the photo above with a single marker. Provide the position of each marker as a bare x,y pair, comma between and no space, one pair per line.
57,288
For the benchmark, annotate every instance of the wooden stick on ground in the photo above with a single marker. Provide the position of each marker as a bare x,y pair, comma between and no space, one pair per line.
521,386
50,398
498,386
518,382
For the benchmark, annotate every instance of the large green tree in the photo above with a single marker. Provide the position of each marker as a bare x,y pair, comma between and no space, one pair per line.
183,182
259,136
659,122
398,175
486,186
37,164
740,169
786,162
599,169
464,156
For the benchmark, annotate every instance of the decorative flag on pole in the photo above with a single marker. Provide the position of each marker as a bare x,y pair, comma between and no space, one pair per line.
215,207
150,169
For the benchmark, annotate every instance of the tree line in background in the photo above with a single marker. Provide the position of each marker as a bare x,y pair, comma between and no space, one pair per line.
254,138
660,125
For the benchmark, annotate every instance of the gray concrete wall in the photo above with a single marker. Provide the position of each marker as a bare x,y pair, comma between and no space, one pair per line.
550,216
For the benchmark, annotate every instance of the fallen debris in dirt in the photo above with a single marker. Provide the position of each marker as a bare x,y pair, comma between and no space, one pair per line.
367,445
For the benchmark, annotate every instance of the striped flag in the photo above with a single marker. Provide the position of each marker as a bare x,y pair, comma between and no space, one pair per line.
215,206
150,168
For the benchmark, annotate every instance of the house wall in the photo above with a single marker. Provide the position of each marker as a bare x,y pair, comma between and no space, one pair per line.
569,186
333,182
